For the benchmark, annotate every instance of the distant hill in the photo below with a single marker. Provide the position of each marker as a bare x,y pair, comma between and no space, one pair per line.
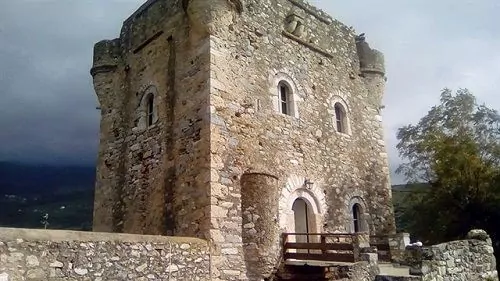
66,194
29,178
28,191
400,200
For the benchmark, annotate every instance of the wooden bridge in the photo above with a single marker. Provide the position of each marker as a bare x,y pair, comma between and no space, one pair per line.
331,247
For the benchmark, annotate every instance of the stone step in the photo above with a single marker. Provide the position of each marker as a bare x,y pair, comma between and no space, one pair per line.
397,278
388,269
302,273
301,276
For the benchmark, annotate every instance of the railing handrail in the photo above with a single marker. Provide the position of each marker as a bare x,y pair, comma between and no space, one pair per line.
322,233
344,249
379,236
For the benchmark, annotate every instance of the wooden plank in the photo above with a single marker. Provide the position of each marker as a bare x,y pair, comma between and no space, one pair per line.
320,246
321,257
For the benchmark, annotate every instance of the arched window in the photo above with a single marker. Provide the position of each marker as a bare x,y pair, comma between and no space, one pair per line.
356,215
150,112
285,98
147,108
340,118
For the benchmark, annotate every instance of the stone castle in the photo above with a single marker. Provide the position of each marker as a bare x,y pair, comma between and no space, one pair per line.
240,140
235,121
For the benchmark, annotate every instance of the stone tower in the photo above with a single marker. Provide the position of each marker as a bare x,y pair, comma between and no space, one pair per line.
235,121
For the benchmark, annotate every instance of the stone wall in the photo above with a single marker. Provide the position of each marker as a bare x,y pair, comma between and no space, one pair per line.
469,259
153,178
249,57
27,254
397,246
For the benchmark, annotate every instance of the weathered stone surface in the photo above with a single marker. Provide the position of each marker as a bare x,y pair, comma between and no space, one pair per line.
479,234
101,256
210,70
461,260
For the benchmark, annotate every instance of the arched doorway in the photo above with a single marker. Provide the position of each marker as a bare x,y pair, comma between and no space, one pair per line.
301,219
301,209
304,221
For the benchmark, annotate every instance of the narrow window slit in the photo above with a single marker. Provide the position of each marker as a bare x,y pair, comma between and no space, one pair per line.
150,110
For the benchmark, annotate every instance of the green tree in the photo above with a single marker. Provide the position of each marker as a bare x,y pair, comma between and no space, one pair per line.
455,149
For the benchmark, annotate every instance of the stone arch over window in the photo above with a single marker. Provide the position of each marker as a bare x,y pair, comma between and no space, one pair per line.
148,108
341,115
285,94
357,215
297,191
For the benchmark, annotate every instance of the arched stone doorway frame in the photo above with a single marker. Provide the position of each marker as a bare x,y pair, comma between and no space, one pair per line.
295,188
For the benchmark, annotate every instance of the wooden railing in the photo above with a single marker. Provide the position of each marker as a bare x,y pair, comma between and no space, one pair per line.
329,247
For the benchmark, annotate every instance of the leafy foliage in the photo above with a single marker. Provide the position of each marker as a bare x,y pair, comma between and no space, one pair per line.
455,149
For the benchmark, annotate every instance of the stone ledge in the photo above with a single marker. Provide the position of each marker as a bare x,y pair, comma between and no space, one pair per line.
12,234
103,69
147,41
309,45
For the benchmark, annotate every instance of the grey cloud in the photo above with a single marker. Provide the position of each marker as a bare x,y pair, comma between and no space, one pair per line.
47,111
428,45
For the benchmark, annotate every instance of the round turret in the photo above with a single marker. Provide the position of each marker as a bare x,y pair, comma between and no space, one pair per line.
370,60
260,195
372,68
106,56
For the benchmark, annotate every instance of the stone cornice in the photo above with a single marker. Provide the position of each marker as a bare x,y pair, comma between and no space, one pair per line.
103,69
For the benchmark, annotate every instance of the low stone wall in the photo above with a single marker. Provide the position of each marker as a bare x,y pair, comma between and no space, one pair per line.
470,259
397,245
27,254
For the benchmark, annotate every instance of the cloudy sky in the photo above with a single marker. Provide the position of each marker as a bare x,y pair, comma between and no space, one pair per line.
47,105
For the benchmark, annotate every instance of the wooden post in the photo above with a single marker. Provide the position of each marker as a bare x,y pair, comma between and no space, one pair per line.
285,241
323,244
